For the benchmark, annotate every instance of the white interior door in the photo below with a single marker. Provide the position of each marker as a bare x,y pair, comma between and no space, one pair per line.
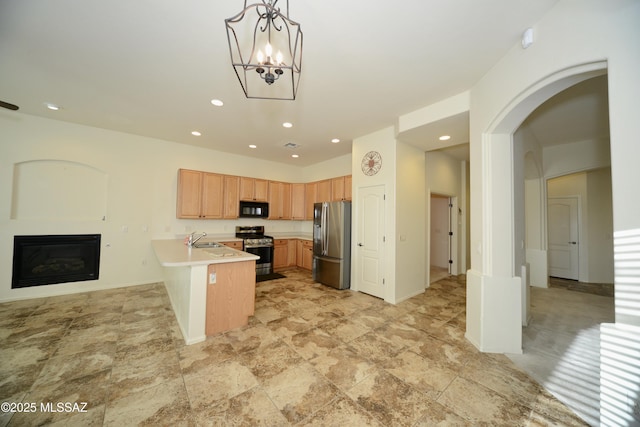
563,226
370,241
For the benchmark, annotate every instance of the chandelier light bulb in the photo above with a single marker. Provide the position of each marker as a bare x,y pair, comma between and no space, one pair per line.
260,57
268,50
279,58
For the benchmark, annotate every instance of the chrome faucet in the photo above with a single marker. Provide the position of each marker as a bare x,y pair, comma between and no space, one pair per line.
193,241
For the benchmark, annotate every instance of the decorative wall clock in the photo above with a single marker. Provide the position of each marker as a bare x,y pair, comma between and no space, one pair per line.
371,163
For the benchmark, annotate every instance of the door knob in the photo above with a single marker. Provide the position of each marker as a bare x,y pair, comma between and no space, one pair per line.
360,244
573,243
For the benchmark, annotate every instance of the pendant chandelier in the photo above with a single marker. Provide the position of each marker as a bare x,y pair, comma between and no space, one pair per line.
266,50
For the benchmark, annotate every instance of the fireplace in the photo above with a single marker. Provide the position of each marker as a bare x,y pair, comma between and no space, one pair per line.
45,260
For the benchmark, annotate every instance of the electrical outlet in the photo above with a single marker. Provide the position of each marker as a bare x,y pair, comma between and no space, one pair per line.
212,278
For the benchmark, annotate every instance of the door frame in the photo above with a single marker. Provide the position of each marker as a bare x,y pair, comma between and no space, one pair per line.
355,250
578,199
454,240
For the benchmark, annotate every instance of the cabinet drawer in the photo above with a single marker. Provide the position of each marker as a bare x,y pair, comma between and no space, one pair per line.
235,244
307,243
280,242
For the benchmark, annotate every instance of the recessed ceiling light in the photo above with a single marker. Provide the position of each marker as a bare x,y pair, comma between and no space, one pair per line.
295,156
217,102
253,146
287,125
444,138
51,106
196,133
335,140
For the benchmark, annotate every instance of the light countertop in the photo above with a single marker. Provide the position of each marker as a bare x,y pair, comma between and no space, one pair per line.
291,235
174,253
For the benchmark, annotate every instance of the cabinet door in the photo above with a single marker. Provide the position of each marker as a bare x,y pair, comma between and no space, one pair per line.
246,188
337,188
299,249
275,200
280,253
324,191
231,196
189,194
212,195
297,201
291,252
347,187
310,190
285,197
260,190
307,254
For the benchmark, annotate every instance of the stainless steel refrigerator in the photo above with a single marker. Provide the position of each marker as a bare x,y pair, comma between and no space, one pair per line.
332,244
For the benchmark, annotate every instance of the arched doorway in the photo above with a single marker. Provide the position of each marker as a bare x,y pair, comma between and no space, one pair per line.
495,294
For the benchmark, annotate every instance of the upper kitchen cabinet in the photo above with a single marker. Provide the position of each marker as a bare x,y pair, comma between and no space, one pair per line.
310,191
231,197
347,187
341,188
253,189
297,201
200,195
279,200
323,189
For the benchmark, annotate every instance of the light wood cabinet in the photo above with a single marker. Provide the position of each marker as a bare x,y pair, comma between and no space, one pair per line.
235,244
291,252
298,201
231,291
310,190
231,197
280,253
253,189
347,187
200,195
205,195
299,253
323,191
304,254
341,188
284,253
279,200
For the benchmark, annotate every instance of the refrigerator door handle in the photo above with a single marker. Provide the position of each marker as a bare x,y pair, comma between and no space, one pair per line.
325,233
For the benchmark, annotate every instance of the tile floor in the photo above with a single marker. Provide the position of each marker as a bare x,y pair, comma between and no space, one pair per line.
311,355
562,343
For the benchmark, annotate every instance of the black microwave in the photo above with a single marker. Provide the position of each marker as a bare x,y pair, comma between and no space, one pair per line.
254,210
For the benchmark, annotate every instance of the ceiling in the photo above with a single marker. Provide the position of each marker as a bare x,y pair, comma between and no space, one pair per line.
151,68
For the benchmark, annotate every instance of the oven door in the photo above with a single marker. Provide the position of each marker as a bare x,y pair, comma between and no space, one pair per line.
265,264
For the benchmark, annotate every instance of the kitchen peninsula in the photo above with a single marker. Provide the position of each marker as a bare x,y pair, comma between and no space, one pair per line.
211,289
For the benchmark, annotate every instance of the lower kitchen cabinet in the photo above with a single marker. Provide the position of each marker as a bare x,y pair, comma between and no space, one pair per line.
235,244
280,253
291,253
304,254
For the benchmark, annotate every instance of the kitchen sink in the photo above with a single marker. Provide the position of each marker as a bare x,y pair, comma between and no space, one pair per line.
208,245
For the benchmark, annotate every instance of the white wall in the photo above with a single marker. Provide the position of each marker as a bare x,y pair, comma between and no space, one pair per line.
596,226
382,141
141,176
571,43
447,176
410,209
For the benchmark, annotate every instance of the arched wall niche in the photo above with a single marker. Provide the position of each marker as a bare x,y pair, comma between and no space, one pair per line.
58,190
